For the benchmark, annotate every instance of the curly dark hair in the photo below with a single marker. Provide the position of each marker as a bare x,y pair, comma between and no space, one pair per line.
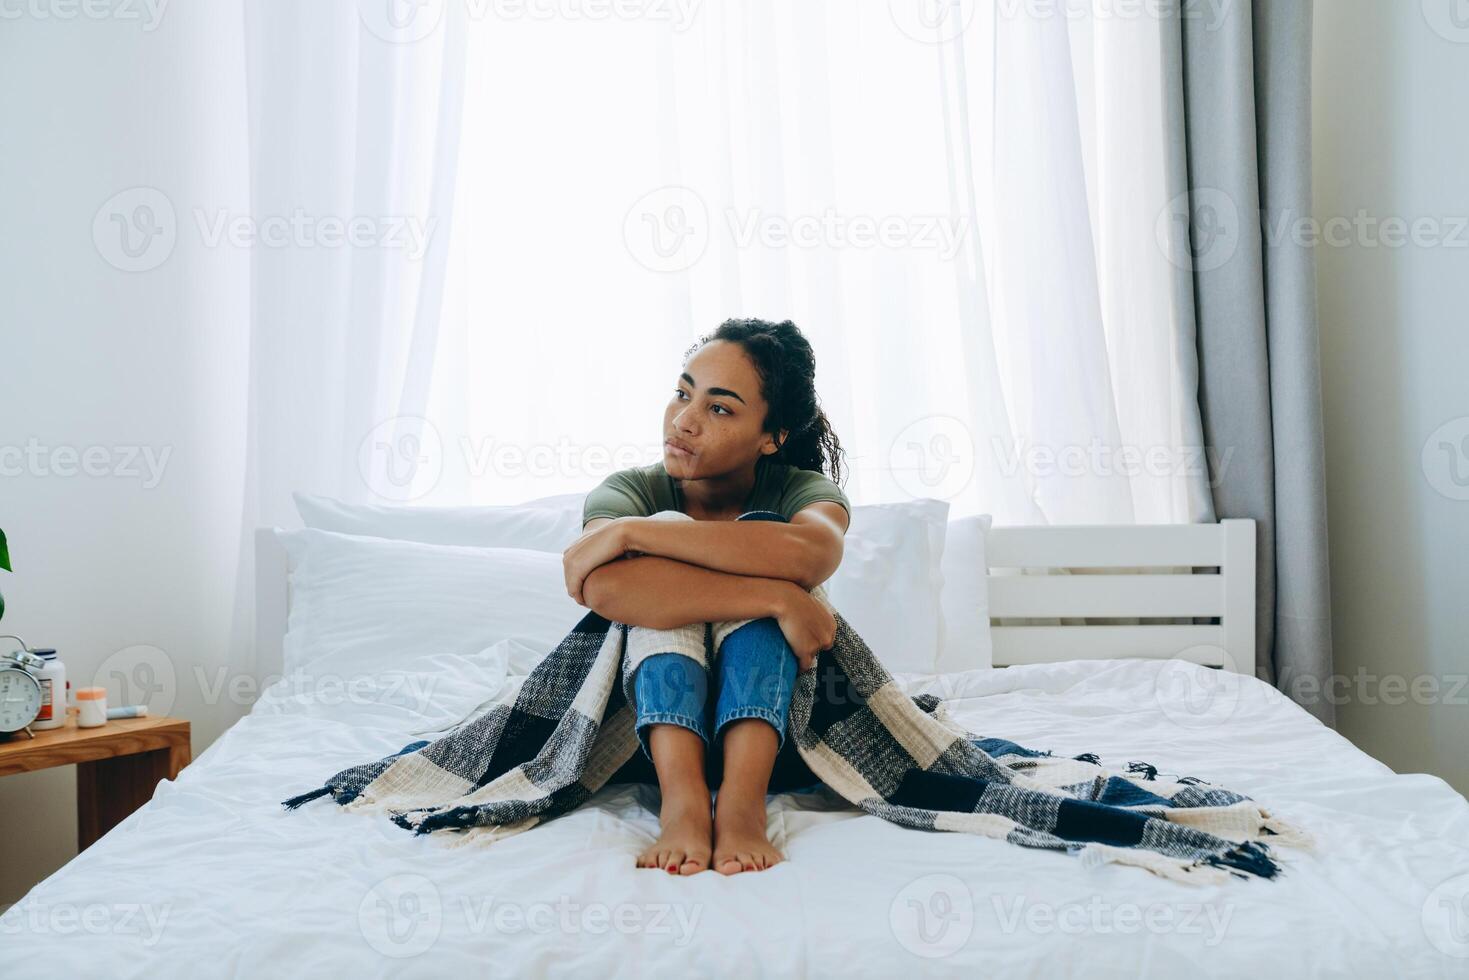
787,368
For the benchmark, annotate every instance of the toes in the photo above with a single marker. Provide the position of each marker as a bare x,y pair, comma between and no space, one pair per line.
674,860
747,861
730,866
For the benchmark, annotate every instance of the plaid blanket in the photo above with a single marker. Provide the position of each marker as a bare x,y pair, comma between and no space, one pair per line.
568,729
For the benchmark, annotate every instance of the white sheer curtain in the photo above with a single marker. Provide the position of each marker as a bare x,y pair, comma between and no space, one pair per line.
962,205
353,143
353,146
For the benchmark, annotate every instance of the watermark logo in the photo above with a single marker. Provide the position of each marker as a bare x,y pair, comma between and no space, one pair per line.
932,21
667,230
933,917
401,916
1199,230
401,21
1449,19
1446,459
139,674
1446,917
135,230
933,457
402,458
1197,697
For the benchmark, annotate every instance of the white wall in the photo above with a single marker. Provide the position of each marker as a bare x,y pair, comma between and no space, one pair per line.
1392,137
91,356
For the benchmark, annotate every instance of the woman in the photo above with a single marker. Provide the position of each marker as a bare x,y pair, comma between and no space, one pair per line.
745,453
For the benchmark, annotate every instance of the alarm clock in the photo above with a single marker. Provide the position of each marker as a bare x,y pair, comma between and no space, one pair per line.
20,691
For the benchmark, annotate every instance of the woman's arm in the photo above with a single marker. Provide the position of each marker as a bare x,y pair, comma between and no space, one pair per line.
805,551
662,593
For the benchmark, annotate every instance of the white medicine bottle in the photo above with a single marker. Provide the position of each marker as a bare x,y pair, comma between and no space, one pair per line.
53,691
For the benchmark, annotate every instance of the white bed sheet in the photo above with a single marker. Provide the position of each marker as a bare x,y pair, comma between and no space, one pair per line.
213,877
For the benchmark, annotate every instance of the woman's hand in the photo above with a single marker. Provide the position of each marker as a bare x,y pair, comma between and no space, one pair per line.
809,626
591,551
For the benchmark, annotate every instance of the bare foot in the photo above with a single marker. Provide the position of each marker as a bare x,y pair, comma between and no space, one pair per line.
740,843
683,845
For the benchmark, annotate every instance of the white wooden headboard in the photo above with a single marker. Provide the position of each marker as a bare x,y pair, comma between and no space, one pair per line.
1194,570
1189,570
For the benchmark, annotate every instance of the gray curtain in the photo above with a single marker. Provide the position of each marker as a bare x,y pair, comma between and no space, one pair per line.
1238,77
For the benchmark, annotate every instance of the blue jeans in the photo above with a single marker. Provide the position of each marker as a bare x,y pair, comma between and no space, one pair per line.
754,674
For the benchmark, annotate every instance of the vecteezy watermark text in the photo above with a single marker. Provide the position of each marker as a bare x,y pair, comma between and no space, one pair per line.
1101,460
147,13
143,463
939,21
403,458
410,21
407,233
137,229
1099,916
1203,229
670,228
402,916
141,919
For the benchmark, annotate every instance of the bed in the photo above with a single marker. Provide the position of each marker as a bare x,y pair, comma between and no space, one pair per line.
213,878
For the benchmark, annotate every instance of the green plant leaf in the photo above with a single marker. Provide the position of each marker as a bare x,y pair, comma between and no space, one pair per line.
4,553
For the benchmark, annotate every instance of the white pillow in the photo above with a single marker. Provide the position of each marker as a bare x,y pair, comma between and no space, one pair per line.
887,586
547,524
965,642
890,579
364,605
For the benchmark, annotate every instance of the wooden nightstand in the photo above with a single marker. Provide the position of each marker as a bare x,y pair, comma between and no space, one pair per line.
119,764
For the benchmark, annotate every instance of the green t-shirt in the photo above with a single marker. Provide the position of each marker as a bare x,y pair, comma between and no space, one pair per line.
644,490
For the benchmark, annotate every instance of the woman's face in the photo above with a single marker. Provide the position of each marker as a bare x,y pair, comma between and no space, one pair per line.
713,424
